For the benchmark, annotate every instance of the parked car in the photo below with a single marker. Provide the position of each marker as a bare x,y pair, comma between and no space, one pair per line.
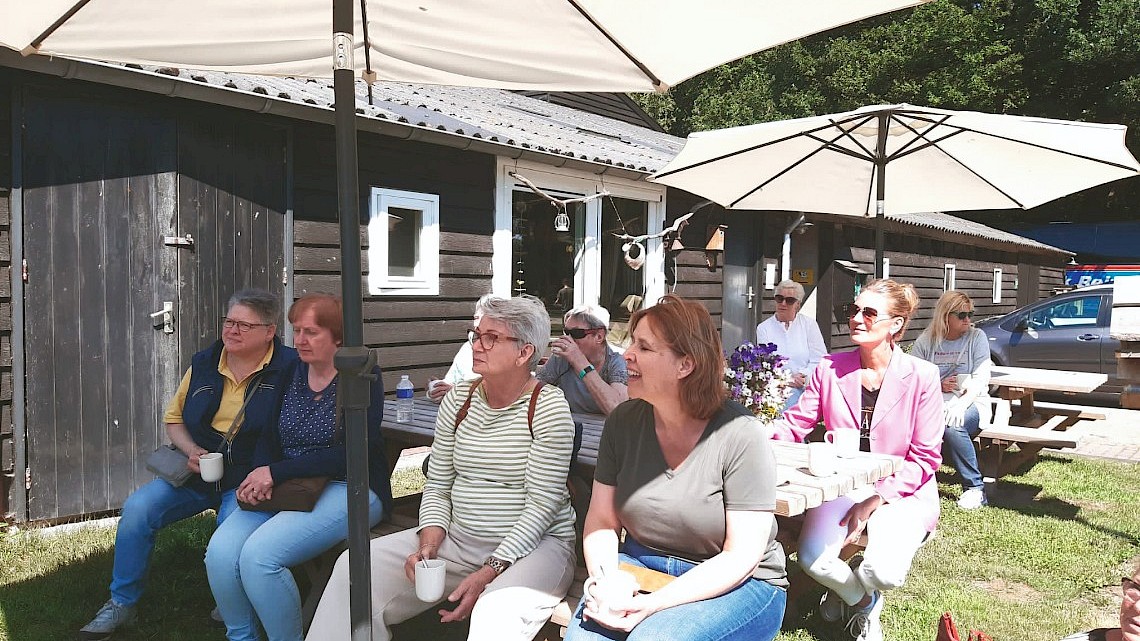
1068,331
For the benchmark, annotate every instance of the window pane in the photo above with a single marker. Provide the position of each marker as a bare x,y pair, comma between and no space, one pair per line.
544,258
404,227
620,281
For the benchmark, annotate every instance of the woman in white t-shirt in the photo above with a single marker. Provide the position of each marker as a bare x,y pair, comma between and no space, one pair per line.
962,355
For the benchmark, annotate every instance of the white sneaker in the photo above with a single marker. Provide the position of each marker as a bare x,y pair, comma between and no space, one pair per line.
110,618
864,624
832,608
972,498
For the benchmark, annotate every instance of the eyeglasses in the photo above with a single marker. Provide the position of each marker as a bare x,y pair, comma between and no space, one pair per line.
781,300
851,310
487,340
577,332
1128,585
963,315
242,326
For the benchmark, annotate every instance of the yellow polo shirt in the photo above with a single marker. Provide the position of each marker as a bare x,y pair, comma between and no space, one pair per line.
233,394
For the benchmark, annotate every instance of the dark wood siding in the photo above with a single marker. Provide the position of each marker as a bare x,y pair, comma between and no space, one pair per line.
7,452
416,335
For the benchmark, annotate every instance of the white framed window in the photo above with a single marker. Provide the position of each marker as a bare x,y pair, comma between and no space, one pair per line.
403,243
949,276
997,285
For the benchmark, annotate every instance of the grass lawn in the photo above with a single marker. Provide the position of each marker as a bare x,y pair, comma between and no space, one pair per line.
1043,561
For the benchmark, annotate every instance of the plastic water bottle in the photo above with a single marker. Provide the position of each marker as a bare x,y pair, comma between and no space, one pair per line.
404,391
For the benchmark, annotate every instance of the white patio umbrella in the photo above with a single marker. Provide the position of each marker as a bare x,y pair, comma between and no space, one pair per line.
555,45
899,159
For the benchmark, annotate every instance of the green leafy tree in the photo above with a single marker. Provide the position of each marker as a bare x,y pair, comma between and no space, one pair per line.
1067,59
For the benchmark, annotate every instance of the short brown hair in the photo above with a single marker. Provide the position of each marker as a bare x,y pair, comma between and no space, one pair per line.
326,309
687,329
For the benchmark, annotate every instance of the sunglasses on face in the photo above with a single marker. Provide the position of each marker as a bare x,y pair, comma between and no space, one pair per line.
577,332
963,315
1128,585
851,310
782,300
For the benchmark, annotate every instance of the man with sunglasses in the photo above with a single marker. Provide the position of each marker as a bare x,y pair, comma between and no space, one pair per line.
796,337
590,373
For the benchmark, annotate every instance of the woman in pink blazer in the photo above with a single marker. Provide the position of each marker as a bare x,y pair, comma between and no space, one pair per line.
894,402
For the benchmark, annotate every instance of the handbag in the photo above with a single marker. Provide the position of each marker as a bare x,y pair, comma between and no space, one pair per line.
169,463
295,495
947,631
299,494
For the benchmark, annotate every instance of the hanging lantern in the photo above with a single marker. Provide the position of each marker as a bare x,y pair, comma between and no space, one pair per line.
561,220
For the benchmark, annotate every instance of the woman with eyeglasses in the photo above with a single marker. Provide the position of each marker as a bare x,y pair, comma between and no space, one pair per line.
589,372
249,556
796,337
495,506
894,401
246,365
962,355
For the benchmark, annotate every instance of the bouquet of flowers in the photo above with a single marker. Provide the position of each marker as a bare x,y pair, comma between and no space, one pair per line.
756,378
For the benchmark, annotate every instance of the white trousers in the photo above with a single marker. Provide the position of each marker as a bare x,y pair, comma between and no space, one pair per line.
894,535
513,607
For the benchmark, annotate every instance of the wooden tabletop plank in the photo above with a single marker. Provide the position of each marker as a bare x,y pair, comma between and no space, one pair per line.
797,492
1053,380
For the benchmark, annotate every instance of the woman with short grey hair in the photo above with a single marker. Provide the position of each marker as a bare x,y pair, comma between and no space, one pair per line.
495,505
582,363
796,336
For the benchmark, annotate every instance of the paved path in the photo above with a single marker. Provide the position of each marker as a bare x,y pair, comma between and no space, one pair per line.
1117,437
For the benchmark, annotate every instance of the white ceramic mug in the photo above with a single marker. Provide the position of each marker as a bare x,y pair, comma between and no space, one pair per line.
612,592
846,442
821,459
212,466
430,575
431,387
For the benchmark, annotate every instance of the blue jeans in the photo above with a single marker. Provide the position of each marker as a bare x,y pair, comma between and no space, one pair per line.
752,611
249,557
958,448
146,511
797,392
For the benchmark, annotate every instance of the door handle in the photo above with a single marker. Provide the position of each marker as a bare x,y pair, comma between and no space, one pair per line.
1088,337
164,317
749,296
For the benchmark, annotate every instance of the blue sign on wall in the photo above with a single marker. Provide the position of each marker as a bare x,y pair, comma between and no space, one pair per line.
1085,275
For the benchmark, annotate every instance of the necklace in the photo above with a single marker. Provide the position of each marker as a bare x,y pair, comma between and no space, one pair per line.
871,379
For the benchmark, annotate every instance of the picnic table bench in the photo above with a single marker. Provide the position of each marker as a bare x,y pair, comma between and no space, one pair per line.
1034,426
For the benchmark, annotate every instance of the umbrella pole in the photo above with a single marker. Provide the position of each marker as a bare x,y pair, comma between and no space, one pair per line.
880,190
354,362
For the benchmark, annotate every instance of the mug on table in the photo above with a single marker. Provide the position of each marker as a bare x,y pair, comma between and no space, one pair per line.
821,458
846,441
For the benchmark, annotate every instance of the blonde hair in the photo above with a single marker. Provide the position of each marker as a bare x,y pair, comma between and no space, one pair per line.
949,302
902,300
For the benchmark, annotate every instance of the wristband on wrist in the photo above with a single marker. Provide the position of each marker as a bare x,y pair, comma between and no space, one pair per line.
585,370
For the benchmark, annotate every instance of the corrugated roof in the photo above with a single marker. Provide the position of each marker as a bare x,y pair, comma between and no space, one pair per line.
490,114
954,224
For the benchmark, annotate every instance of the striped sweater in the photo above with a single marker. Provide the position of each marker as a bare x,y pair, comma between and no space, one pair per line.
493,479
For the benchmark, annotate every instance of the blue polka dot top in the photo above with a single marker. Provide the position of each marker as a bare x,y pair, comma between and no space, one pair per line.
308,418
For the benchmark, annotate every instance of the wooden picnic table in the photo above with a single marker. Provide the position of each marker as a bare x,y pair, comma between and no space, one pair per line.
797,491
1034,426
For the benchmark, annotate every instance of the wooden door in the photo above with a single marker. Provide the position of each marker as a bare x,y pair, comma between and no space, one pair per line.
112,188
743,291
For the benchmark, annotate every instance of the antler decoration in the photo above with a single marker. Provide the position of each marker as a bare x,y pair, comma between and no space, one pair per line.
635,262
558,203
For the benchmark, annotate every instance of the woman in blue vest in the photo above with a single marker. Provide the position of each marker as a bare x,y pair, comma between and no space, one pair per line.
248,363
249,557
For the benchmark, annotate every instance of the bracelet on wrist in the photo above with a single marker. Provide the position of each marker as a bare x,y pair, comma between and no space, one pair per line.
586,370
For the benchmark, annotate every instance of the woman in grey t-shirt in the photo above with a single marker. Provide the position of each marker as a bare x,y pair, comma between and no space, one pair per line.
691,478
962,355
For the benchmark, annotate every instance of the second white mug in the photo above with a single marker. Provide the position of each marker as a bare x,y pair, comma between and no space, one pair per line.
846,441
821,459
212,466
